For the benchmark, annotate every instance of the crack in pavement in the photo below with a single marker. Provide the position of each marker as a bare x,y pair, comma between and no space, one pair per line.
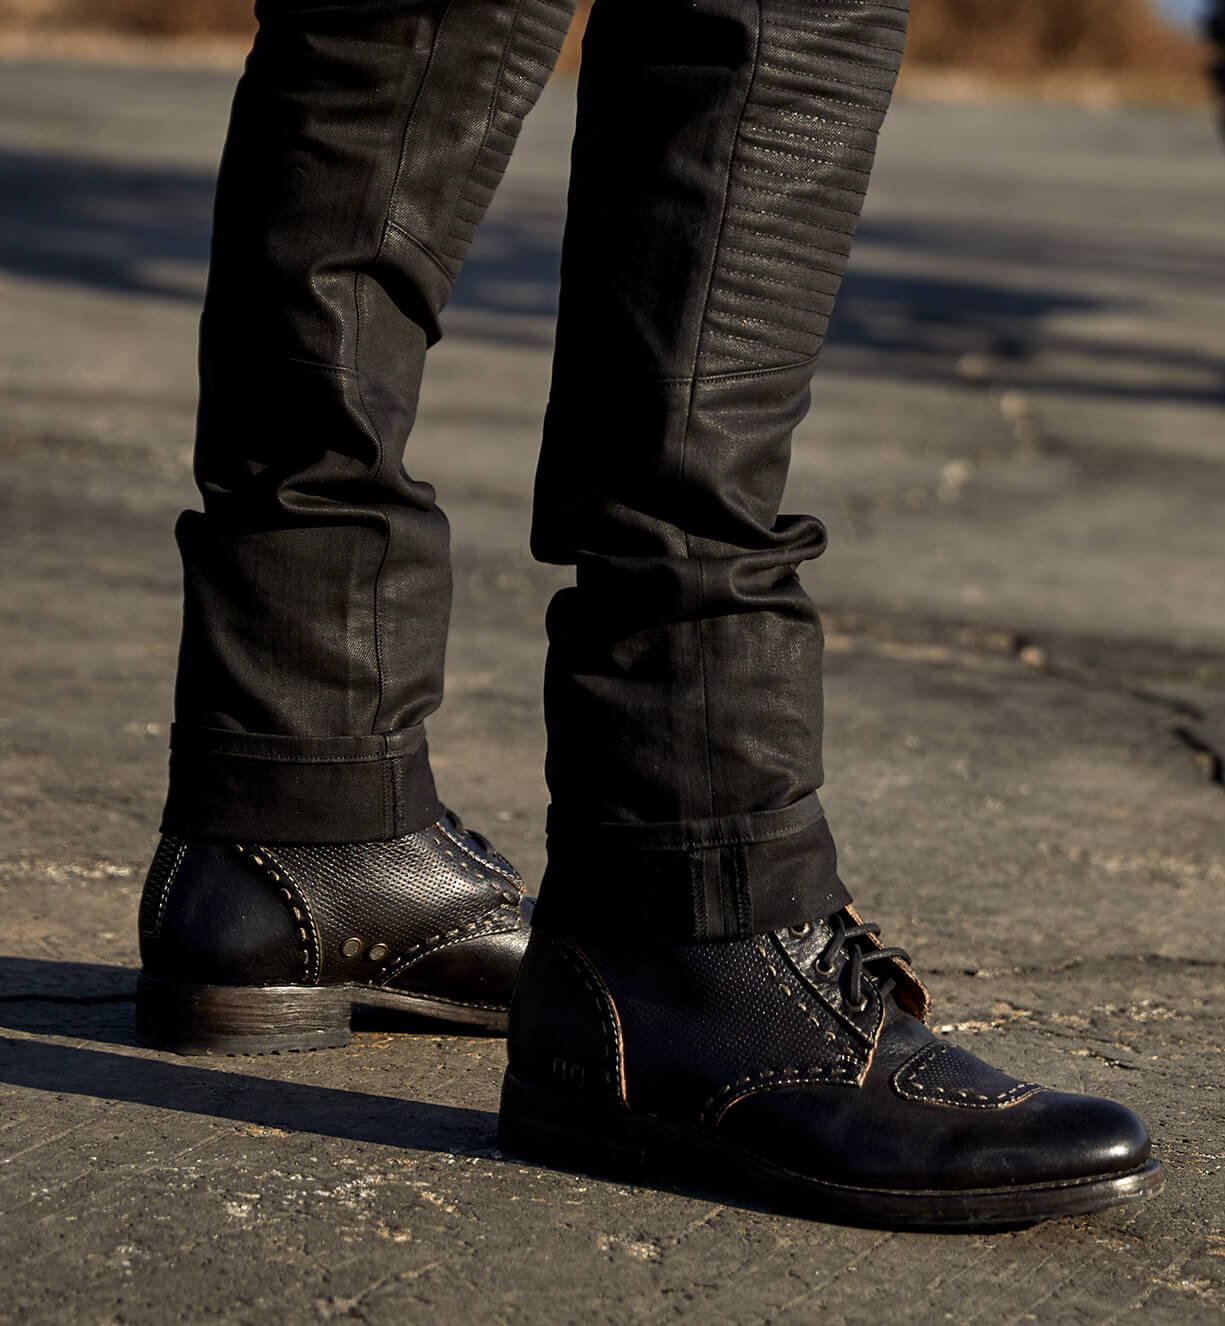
1207,756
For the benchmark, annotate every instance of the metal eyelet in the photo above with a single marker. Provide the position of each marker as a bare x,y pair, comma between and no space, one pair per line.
860,1007
801,931
822,970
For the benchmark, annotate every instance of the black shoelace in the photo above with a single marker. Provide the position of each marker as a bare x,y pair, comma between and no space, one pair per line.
859,956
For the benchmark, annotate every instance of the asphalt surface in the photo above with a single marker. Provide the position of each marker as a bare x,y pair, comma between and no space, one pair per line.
1018,443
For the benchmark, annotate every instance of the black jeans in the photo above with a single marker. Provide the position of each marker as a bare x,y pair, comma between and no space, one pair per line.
720,160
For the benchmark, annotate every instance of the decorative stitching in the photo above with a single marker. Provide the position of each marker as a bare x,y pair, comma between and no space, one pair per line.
510,878
838,1010
585,970
171,875
911,1072
768,1079
458,934
309,939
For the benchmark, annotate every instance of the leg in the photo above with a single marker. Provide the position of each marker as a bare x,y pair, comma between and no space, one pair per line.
710,221
306,850
729,1011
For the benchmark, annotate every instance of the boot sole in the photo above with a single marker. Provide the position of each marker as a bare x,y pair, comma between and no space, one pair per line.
563,1132
243,1019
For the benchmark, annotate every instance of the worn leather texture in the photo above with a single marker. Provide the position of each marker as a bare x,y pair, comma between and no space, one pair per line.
752,1043
436,912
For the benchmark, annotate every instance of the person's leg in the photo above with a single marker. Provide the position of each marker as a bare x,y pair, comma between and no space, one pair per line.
720,163
696,987
365,143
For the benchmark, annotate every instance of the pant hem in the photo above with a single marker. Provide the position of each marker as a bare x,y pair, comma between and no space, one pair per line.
253,786
695,881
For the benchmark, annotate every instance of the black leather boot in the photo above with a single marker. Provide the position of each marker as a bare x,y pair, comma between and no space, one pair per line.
796,1066
249,948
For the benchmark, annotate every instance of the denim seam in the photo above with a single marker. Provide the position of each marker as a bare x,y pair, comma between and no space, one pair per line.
490,118
740,374
690,845
699,341
299,759
357,341
420,245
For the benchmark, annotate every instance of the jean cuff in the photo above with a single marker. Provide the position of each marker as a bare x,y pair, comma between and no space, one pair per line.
247,785
695,880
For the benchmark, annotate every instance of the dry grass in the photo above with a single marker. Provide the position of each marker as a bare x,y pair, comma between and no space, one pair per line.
1041,36
1017,41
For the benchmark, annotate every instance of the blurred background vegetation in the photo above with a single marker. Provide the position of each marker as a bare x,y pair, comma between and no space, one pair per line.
1128,45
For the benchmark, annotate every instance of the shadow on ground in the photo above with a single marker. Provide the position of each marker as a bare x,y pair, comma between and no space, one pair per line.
133,230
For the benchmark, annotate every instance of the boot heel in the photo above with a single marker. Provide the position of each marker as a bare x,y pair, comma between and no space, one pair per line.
237,1019
567,1132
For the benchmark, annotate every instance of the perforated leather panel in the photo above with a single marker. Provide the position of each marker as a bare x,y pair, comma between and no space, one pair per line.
377,907
948,1075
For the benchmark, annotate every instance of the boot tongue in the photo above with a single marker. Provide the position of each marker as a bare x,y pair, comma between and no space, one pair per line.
895,978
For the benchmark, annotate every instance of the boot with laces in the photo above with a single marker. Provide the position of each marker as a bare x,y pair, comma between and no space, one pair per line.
249,948
795,1067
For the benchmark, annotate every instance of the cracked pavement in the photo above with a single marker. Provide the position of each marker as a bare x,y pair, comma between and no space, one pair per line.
1017,442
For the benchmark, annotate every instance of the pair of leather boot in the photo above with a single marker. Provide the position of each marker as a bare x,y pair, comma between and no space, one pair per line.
794,1066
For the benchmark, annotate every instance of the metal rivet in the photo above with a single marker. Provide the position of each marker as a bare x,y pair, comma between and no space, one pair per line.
377,952
351,947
